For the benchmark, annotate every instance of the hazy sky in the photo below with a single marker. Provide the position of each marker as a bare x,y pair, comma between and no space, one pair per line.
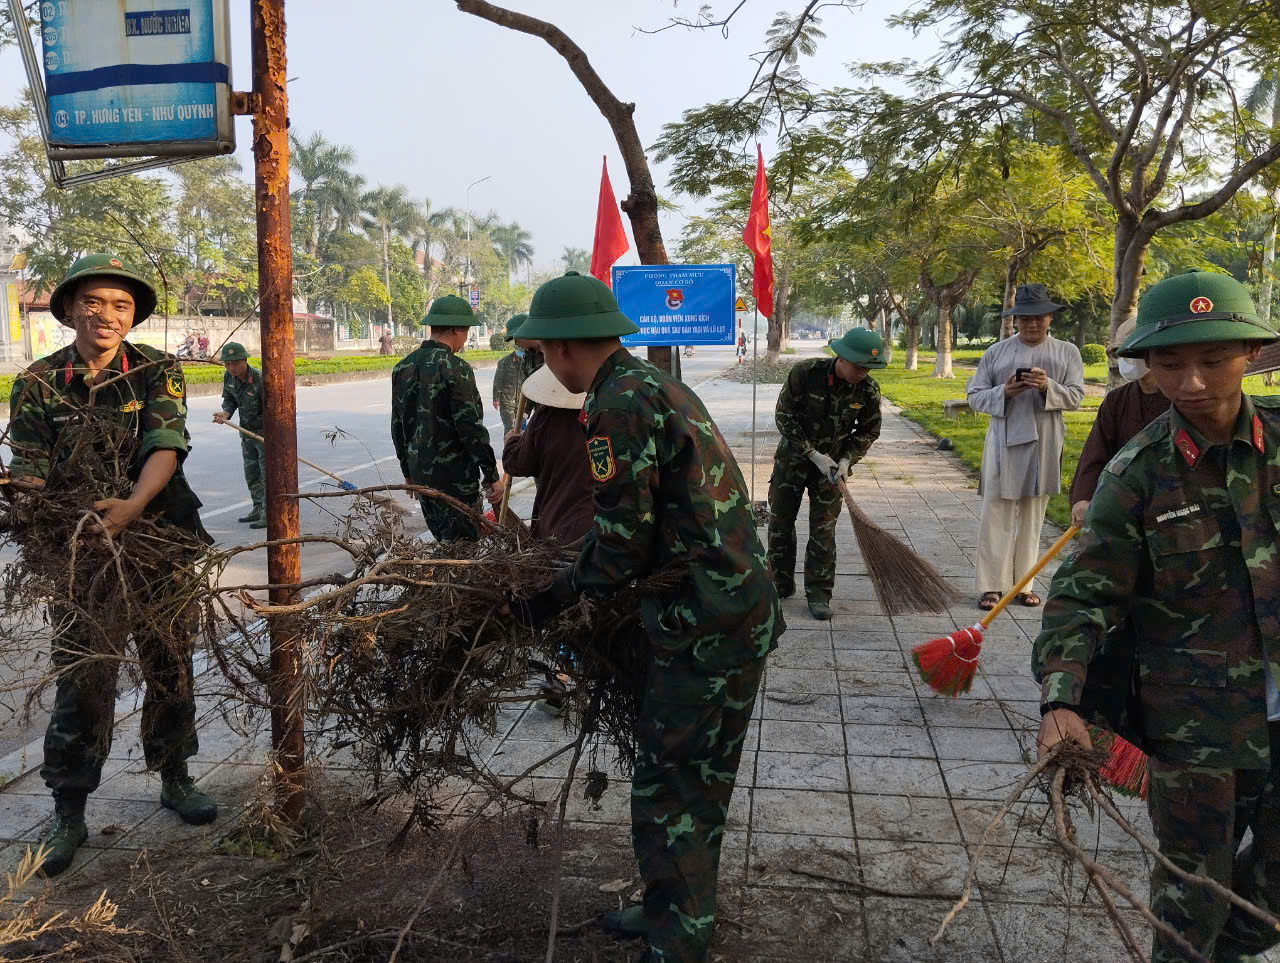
435,99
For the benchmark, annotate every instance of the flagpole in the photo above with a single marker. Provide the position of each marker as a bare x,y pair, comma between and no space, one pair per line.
755,376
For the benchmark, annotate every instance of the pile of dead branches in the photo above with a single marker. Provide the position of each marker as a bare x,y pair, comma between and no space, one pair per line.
410,657
85,592
1068,775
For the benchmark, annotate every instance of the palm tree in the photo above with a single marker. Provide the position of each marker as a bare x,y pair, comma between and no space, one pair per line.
324,169
576,259
514,243
432,225
388,211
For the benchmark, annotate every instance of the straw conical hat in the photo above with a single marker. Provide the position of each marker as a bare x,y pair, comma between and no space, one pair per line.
543,388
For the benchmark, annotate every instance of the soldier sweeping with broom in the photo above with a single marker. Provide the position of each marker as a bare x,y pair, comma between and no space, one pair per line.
829,416
1180,541
667,492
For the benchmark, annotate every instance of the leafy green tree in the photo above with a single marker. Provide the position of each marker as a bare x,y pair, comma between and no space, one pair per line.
390,213
216,225
325,171
576,259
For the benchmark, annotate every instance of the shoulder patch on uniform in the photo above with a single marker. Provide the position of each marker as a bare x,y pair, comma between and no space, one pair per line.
173,384
600,454
1148,436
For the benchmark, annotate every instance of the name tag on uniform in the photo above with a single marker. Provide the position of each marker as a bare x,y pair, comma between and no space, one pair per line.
1179,513
855,405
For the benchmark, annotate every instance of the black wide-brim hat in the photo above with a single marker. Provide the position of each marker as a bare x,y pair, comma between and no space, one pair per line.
1032,299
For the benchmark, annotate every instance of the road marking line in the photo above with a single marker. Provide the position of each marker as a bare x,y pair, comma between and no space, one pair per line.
306,484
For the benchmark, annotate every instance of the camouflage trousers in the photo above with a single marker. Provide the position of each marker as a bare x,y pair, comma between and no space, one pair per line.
78,738
1200,816
691,731
254,454
787,486
447,523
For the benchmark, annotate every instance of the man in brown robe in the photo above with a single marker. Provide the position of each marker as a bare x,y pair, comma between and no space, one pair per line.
1124,412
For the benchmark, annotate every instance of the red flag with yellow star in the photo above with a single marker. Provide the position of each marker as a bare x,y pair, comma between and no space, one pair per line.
758,240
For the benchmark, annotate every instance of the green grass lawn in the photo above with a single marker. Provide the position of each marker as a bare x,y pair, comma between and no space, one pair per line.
921,397
206,373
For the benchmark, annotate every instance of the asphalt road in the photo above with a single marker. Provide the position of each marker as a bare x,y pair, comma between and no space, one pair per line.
342,427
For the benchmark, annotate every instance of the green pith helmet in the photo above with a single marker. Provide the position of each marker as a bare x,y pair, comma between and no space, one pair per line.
104,266
513,326
573,308
233,351
450,311
861,346
1194,308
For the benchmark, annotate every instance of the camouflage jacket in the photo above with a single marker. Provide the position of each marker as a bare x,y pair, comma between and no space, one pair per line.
50,400
818,411
1180,540
511,372
245,397
668,490
404,404
449,444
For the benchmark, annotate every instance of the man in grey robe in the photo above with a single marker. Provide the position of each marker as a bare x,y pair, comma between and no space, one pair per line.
1024,383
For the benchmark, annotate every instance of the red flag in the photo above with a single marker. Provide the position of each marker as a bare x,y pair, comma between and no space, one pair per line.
758,240
611,240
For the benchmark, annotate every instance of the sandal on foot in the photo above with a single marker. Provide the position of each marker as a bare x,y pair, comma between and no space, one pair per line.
988,601
1031,599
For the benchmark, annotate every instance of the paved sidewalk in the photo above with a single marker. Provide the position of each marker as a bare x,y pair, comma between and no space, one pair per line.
853,768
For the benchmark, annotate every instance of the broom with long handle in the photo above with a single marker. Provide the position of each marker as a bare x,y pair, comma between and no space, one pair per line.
903,581
514,520
382,500
948,664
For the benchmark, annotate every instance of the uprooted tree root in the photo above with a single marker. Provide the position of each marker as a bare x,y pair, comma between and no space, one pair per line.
1069,772
85,590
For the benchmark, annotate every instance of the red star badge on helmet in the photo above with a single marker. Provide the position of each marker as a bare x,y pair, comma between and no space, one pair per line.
116,262
1201,305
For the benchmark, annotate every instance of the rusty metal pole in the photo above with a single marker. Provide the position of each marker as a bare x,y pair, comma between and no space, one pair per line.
275,290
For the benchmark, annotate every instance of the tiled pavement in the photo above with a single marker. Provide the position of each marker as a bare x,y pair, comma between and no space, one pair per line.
853,769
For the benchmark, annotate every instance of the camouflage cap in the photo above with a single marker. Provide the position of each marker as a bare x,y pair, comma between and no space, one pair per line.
1194,308
104,266
574,308
233,351
451,311
513,326
861,346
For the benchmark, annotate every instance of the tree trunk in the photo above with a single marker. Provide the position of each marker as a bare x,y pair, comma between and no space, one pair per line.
913,342
1269,242
386,270
1130,257
778,320
1010,288
641,204
942,366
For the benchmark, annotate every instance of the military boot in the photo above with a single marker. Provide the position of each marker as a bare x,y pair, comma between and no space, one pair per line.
819,609
259,520
253,516
179,793
66,834
628,923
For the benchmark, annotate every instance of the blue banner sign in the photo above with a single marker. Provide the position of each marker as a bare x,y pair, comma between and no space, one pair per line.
677,303
136,72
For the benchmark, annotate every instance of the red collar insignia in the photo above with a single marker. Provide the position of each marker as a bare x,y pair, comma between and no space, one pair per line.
67,374
582,417
1257,436
1182,441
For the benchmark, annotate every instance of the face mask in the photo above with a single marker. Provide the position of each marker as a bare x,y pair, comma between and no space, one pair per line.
1131,369
519,352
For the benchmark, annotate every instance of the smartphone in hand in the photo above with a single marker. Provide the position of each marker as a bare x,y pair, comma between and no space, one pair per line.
1021,373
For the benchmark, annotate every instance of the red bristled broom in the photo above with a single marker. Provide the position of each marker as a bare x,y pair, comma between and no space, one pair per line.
948,664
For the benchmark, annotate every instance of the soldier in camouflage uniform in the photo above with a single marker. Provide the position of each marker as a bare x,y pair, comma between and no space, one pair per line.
242,392
511,373
437,422
1180,540
829,416
103,299
667,492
